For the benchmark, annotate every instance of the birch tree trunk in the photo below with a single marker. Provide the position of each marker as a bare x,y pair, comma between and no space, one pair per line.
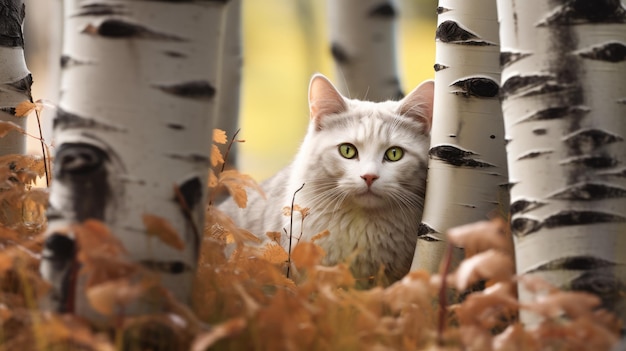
134,123
363,46
15,79
229,88
564,102
467,171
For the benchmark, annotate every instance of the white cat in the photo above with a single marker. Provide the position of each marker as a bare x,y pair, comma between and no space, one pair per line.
363,165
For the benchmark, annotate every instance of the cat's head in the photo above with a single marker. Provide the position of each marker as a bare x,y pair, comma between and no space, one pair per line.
368,154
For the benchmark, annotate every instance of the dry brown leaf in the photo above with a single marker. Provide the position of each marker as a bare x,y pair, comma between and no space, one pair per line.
481,236
219,136
320,235
307,255
213,182
216,156
161,228
414,288
24,108
274,236
236,183
486,311
492,264
109,296
229,328
6,127
514,338
274,253
573,304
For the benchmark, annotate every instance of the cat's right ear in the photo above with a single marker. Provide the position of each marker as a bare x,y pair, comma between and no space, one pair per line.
324,99
418,104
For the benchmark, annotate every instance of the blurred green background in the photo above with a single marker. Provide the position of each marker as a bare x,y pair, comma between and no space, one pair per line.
285,42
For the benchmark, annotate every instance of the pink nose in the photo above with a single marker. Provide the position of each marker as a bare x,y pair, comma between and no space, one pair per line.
369,179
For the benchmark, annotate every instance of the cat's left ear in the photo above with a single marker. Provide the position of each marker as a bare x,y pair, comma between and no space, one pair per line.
324,99
418,104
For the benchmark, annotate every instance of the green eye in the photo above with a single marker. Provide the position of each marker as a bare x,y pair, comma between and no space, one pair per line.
394,153
347,150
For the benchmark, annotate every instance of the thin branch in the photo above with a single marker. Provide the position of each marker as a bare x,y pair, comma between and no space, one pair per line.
43,150
232,140
293,202
443,293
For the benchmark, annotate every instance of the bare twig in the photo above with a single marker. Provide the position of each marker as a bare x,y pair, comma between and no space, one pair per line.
443,292
293,202
230,145
186,211
43,150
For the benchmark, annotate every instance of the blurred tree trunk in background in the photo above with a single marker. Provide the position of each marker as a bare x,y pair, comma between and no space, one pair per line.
467,173
15,79
229,89
133,133
564,92
363,47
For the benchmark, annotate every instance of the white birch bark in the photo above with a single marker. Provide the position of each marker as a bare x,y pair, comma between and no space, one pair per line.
229,86
467,173
564,94
363,46
134,122
15,79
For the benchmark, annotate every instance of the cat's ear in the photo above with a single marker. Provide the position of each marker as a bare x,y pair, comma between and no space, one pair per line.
324,99
418,104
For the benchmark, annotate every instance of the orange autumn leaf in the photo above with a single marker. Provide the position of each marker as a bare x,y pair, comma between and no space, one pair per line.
320,235
24,108
274,253
219,136
161,228
216,156
236,183
6,127
307,255
213,182
490,264
274,236
229,328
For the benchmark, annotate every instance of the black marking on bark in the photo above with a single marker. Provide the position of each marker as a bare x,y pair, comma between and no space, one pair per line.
8,110
540,131
451,32
524,205
574,263
23,85
604,283
175,126
170,267
120,29
584,141
478,87
68,61
59,248
592,161
534,154
584,11
589,192
197,90
67,120
174,54
454,156
100,10
508,57
12,15
427,238
424,229
442,9
82,168
192,192
385,11
523,226
572,217
517,84
439,67
551,113
610,52
622,101
339,53
193,158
